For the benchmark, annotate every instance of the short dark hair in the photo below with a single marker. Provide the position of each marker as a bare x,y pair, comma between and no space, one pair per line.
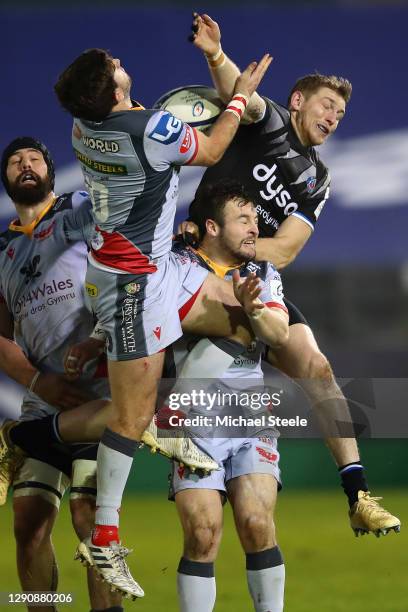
210,200
86,88
311,83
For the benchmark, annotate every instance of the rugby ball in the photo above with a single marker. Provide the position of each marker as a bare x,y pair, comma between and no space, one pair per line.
196,105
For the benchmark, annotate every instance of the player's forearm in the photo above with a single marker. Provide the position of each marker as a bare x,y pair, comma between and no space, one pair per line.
270,326
224,74
221,137
14,363
275,251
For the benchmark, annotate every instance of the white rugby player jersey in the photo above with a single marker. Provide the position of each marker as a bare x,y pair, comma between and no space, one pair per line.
130,162
42,272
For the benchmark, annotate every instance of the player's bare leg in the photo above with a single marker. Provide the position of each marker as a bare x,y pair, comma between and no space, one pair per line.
134,390
200,512
253,500
34,519
301,359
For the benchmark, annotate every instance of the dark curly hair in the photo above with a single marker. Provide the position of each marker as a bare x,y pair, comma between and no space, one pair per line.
86,88
210,200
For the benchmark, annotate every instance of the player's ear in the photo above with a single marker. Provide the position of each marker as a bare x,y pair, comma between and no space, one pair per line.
296,100
118,95
211,227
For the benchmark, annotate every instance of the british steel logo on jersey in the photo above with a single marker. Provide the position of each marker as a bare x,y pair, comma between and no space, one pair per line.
272,190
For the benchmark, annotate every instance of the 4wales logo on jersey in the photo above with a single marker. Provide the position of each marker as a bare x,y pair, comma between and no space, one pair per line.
167,130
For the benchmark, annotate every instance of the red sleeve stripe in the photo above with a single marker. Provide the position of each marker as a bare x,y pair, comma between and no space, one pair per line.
195,149
277,305
185,309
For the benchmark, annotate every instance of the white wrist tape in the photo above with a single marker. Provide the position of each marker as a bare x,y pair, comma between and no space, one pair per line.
217,60
237,105
216,56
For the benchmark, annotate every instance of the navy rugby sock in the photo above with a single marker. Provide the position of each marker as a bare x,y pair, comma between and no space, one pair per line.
353,480
35,435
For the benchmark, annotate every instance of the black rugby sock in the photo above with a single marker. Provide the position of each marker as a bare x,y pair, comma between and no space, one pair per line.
35,435
353,480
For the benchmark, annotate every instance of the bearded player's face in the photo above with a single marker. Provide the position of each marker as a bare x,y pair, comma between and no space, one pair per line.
318,115
239,231
27,174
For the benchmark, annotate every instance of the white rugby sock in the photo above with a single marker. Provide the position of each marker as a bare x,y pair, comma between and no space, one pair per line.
266,579
115,458
196,586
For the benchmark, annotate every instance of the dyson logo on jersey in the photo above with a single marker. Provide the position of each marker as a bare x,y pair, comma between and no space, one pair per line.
266,217
103,146
272,191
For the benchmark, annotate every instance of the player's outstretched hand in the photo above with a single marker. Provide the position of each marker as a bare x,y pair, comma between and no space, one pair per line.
249,80
206,34
57,390
79,354
247,291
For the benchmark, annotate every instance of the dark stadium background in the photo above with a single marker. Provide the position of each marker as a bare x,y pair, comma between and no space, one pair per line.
351,281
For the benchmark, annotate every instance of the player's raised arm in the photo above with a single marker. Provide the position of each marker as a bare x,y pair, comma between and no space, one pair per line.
224,73
283,248
211,148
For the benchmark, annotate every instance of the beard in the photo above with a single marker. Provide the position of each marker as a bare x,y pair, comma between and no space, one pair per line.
28,195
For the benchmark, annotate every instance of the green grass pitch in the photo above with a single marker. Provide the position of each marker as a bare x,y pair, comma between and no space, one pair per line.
328,569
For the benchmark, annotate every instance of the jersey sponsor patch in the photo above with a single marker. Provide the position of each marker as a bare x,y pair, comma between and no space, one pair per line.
311,184
267,455
275,285
167,129
92,290
103,168
187,142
